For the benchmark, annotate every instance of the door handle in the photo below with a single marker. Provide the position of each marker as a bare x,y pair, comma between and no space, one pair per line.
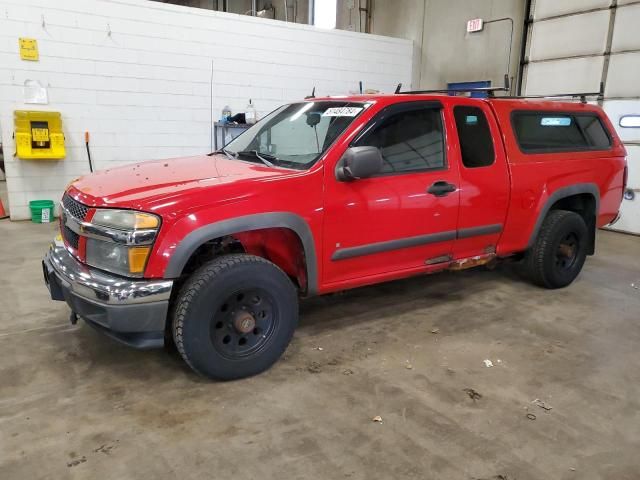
441,188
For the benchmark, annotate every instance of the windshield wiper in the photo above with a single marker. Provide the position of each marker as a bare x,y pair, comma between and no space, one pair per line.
228,153
263,157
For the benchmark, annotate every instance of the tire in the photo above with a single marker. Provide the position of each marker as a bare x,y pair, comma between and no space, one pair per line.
559,252
235,316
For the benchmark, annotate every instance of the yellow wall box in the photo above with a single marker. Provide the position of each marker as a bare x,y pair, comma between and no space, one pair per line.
38,135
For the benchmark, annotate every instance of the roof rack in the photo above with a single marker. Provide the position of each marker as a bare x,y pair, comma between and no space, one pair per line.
581,95
490,91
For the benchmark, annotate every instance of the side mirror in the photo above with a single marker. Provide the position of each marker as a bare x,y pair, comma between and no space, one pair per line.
359,162
313,118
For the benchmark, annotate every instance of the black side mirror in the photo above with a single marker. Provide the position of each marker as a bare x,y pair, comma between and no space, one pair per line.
359,162
313,118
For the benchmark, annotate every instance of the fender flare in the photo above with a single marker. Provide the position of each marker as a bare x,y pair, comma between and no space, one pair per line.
564,192
193,240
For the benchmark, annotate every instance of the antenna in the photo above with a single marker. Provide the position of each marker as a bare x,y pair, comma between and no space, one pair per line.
313,94
398,88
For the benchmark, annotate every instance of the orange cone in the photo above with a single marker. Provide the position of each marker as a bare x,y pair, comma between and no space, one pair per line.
3,213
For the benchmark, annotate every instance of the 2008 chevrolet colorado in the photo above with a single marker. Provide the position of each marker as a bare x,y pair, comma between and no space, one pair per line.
324,195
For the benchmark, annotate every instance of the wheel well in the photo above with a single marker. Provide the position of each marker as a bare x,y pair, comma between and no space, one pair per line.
279,245
584,204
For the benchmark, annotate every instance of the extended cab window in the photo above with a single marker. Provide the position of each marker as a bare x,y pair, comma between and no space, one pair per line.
541,132
476,144
409,140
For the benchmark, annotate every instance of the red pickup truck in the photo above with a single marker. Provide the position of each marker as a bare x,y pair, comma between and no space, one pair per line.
328,194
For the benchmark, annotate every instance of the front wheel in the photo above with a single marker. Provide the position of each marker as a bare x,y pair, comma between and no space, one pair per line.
560,250
235,317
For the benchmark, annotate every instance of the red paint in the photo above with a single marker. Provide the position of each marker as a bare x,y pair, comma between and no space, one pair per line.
534,177
279,245
484,191
192,192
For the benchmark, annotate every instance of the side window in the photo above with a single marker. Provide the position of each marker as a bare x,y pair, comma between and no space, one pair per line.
410,141
594,131
543,132
476,143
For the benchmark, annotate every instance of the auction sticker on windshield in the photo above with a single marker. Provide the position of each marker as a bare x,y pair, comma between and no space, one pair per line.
342,111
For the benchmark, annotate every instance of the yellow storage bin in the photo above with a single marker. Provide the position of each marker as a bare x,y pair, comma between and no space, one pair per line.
38,135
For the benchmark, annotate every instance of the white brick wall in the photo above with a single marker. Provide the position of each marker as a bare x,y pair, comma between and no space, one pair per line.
136,74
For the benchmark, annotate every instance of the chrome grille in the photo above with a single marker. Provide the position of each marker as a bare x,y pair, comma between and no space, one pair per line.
76,209
71,237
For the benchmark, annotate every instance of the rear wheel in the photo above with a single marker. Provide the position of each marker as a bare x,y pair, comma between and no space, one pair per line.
235,317
560,250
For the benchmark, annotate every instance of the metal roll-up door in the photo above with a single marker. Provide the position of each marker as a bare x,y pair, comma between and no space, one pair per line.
567,43
622,99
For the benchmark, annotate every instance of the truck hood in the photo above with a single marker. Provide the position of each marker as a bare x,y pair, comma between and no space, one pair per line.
146,185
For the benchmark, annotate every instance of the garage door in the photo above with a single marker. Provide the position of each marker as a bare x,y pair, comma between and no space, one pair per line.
622,104
574,45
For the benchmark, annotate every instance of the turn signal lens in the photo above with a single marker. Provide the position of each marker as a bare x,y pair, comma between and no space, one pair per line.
138,259
144,220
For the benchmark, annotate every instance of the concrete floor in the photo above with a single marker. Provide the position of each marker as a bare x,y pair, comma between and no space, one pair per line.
73,404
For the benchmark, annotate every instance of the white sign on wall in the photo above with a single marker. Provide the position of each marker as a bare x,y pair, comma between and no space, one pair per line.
475,25
34,92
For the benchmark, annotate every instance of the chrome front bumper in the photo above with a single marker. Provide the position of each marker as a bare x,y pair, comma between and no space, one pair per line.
132,311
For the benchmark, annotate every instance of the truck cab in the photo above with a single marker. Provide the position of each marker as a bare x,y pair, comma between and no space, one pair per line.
213,252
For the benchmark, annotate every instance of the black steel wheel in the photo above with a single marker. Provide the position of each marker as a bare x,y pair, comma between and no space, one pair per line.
560,250
567,252
235,316
244,323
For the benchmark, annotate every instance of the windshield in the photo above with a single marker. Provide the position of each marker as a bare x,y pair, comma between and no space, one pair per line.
295,135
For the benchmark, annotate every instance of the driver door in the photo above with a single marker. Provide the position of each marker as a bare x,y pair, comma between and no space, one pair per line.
399,221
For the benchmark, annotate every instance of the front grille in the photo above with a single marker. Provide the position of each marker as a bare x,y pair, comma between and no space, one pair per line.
71,237
76,209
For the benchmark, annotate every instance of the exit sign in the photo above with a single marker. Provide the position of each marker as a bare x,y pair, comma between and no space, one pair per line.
474,25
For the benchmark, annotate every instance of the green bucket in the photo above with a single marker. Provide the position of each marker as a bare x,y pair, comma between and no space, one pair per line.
41,211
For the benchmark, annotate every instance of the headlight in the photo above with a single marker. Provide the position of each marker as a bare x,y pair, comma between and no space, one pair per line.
125,219
116,258
119,241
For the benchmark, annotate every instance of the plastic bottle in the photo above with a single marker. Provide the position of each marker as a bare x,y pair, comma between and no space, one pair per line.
226,114
250,113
